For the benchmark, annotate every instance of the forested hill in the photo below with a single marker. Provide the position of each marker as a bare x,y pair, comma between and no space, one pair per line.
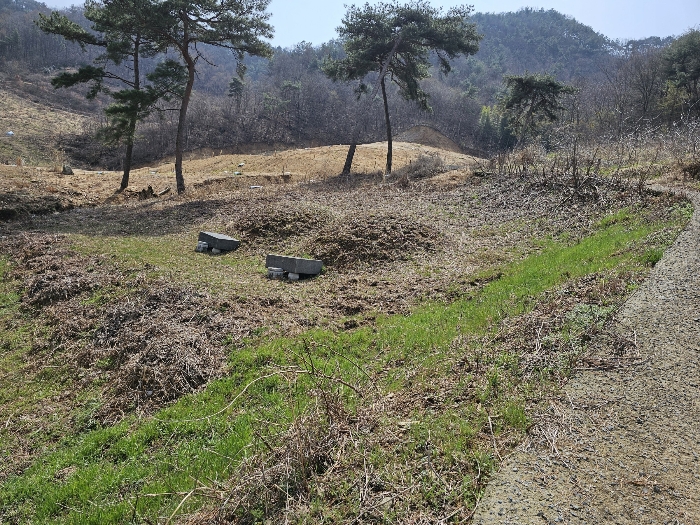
534,40
539,40
287,99
530,40
20,5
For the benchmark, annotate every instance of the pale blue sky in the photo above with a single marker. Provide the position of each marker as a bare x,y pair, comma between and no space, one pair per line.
315,20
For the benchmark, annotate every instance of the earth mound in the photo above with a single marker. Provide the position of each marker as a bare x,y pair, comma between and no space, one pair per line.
280,222
428,136
373,238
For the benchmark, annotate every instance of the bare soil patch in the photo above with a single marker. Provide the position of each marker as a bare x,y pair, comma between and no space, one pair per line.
429,137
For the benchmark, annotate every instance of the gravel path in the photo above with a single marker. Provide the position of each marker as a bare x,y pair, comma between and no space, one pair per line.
625,446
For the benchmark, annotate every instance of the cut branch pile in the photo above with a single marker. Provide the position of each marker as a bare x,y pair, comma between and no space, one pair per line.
370,238
157,349
280,222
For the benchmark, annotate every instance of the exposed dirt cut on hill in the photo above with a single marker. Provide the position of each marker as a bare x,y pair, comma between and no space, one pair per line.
428,136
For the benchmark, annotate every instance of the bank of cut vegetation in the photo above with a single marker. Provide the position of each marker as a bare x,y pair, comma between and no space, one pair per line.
137,387
142,382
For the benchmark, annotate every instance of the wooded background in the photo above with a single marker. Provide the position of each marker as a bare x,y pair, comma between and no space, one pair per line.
287,101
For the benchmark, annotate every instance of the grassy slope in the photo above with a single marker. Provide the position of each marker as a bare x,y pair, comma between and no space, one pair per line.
37,130
145,468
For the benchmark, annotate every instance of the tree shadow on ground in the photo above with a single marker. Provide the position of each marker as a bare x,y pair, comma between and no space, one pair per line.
149,218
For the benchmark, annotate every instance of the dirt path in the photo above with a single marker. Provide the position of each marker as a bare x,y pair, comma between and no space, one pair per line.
625,446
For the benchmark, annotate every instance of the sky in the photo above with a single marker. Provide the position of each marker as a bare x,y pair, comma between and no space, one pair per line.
315,21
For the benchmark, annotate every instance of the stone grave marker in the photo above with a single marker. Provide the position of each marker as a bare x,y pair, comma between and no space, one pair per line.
294,265
216,242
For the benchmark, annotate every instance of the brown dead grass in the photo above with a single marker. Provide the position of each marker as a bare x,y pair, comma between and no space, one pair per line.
372,238
385,248
41,190
275,222
145,334
38,129
159,344
163,345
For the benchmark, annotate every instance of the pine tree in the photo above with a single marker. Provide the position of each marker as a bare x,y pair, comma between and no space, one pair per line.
682,61
185,25
118,29
532,99
397,41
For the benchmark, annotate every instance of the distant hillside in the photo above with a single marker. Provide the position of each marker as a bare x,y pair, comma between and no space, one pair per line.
539,40
531,40
40,131
20,5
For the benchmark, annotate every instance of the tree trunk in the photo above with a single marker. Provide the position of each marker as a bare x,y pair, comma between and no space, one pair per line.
180,141
527,120
388,131
348,159
355,134
132,122
127,157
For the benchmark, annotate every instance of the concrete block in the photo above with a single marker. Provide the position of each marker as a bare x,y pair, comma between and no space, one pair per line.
275,273
295,264
219,241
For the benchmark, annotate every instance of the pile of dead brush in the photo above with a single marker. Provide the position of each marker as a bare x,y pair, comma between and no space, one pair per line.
276,222
146,349
372,238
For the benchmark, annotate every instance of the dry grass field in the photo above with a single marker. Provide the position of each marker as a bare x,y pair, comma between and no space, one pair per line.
270,168
43,189
450,305
38,130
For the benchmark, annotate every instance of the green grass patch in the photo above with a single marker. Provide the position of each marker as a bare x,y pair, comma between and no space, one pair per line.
172,257
143,469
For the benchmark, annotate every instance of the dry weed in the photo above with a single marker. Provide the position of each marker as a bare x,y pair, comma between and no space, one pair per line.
423,167
372,238
280,222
